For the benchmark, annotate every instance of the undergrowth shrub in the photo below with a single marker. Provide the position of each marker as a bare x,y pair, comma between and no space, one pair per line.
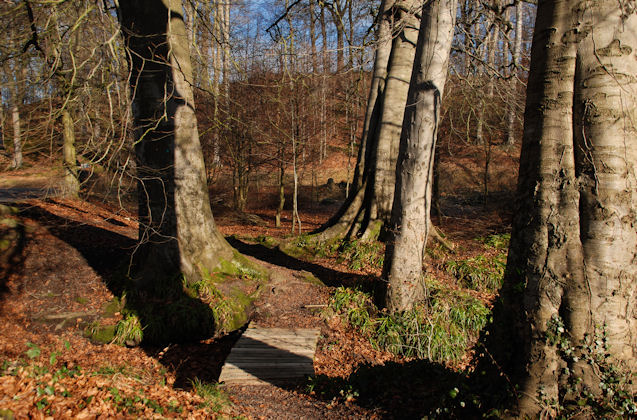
129,330
440,329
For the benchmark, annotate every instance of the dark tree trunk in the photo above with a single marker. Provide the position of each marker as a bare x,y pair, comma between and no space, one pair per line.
177,232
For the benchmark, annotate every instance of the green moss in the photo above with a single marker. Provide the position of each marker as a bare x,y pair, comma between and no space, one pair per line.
6,414
9,223
112,307
373,231
231,312
239,266
229,308
177,310
101,334
267,241
301,246
311,278
6,210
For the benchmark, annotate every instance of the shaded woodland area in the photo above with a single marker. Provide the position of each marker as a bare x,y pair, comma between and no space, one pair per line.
445,188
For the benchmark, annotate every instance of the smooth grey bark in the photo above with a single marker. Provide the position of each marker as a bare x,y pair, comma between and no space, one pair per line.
17,137
369,207
177,234
490,46
401,63
281,186
574,245
312,18
337,9
379,74
516,56
410,223
20,73
71,179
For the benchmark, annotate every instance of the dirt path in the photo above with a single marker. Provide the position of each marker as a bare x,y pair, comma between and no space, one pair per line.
292,299
24,185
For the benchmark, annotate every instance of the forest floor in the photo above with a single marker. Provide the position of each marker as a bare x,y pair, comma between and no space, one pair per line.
57,284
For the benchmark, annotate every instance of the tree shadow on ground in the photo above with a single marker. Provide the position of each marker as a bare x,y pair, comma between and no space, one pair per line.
197,360
108,253
167,313
402,390
327,276
12,242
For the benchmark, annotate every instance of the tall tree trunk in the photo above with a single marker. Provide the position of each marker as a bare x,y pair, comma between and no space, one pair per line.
379,74
177,232
17,136
71,179
279,209
395,97
574,245
311,6
20,72
485,101
517,52
336,9
410,221
2,131
369,208
325,43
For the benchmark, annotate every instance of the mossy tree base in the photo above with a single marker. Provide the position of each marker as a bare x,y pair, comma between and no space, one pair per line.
176,310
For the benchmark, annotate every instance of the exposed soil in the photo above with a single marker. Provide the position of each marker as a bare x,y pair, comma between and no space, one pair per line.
62,282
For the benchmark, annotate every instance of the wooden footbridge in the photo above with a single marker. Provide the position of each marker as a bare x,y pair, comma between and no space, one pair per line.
271,356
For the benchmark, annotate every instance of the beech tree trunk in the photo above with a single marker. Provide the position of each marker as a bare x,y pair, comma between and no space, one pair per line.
279,209
17,137
574,244
410,221
401,63
517,52
374,101
71,178
369,207
177,233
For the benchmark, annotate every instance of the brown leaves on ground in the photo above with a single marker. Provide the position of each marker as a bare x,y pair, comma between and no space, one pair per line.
68,377
62,285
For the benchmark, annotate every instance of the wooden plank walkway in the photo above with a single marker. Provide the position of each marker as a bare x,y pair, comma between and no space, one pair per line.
271,356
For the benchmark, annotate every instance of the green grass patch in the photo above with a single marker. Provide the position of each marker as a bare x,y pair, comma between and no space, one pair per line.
480,273
498,241
100,334
357,254
214,398
360,254
440,329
